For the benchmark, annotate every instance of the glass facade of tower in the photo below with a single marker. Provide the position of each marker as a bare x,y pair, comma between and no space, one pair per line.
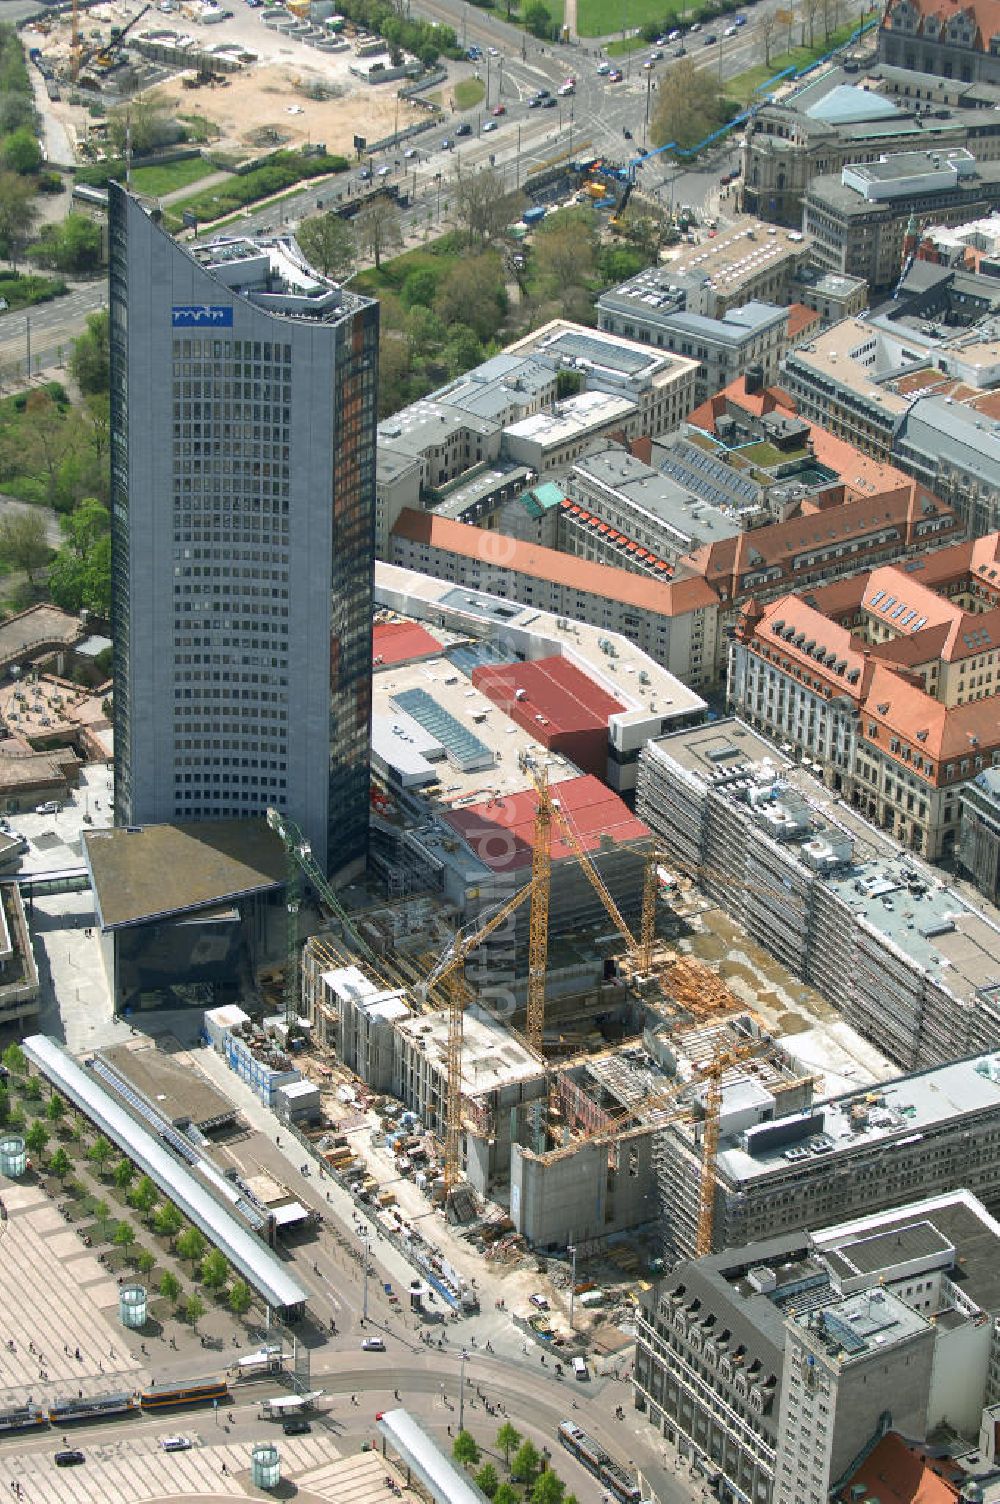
244,400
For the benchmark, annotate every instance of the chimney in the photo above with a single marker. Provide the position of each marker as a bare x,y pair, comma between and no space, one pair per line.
753,381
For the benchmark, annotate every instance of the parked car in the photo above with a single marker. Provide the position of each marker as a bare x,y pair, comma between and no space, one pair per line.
540,1301
175,1443
50,807
373,1345
296,1425
71,1458
465,129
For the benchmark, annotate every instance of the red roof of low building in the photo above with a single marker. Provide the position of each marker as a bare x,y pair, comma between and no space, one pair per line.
501,831
801,318
897,1474
402,642
552,687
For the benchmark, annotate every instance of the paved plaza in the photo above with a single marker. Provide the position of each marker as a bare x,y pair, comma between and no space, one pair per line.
56,1299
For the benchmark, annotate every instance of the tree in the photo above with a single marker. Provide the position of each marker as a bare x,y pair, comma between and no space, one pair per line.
170,1286
142,123
4,1106
73,245
328,241
145,1261
526,1462
55,1109
538,20
15,1060
60,1164
90,361
33,1088
18,213
378,228
548,1489
124,1174
486,1480
482,207
239,1297
508,1440
419,287
42,440
123,1236
687,105
143,1197
214,1270
194,1309
566,249
464,1448
101,1210
20,151
168,1221
191,1245
472,293
99,1153
23,541
80,574
36,1138
505,1495
768,27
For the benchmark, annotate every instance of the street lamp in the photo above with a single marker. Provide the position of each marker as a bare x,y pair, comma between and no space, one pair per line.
364,1298
461,1393
571,1250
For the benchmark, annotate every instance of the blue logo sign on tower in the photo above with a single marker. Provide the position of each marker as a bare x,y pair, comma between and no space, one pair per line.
201,316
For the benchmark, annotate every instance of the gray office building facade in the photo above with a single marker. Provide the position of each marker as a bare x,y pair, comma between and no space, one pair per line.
243,412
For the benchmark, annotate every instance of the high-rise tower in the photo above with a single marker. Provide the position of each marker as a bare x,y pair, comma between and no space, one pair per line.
243,411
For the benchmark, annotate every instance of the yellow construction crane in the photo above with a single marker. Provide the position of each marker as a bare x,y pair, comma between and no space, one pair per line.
444,971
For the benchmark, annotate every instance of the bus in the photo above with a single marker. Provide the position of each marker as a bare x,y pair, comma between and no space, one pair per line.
92,1407
197,1392
596,1460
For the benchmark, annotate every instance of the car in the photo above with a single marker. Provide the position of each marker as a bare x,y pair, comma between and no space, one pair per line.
649,63
550,103
465,129
675,35
447,144
730,31
175,1443
542,93
696,27
494,51
499,109
739,20
296,1425
602,69
626,133
474,54
384,171
710,40
540,1301
410,153
365,175
489,125
681,51
655,55
615,76
50,807
373,1345
534,102
70,1458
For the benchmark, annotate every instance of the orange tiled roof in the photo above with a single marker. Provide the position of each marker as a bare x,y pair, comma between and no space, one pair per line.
896,1475
985,13
673,598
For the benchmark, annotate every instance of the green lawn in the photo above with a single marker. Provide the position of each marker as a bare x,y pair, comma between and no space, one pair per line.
468,93
167,177
744,85
602,18
437,255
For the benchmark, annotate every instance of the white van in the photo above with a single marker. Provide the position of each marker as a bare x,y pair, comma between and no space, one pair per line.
580,1369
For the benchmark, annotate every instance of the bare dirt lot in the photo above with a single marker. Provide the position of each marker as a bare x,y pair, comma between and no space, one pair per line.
273,105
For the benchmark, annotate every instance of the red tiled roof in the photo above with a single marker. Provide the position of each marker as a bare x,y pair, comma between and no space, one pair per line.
895,1474
801,318
985,13
602,580
401,642
596,815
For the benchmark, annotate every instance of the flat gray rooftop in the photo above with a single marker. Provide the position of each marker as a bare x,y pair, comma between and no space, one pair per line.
151,872
170,1082
658,494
